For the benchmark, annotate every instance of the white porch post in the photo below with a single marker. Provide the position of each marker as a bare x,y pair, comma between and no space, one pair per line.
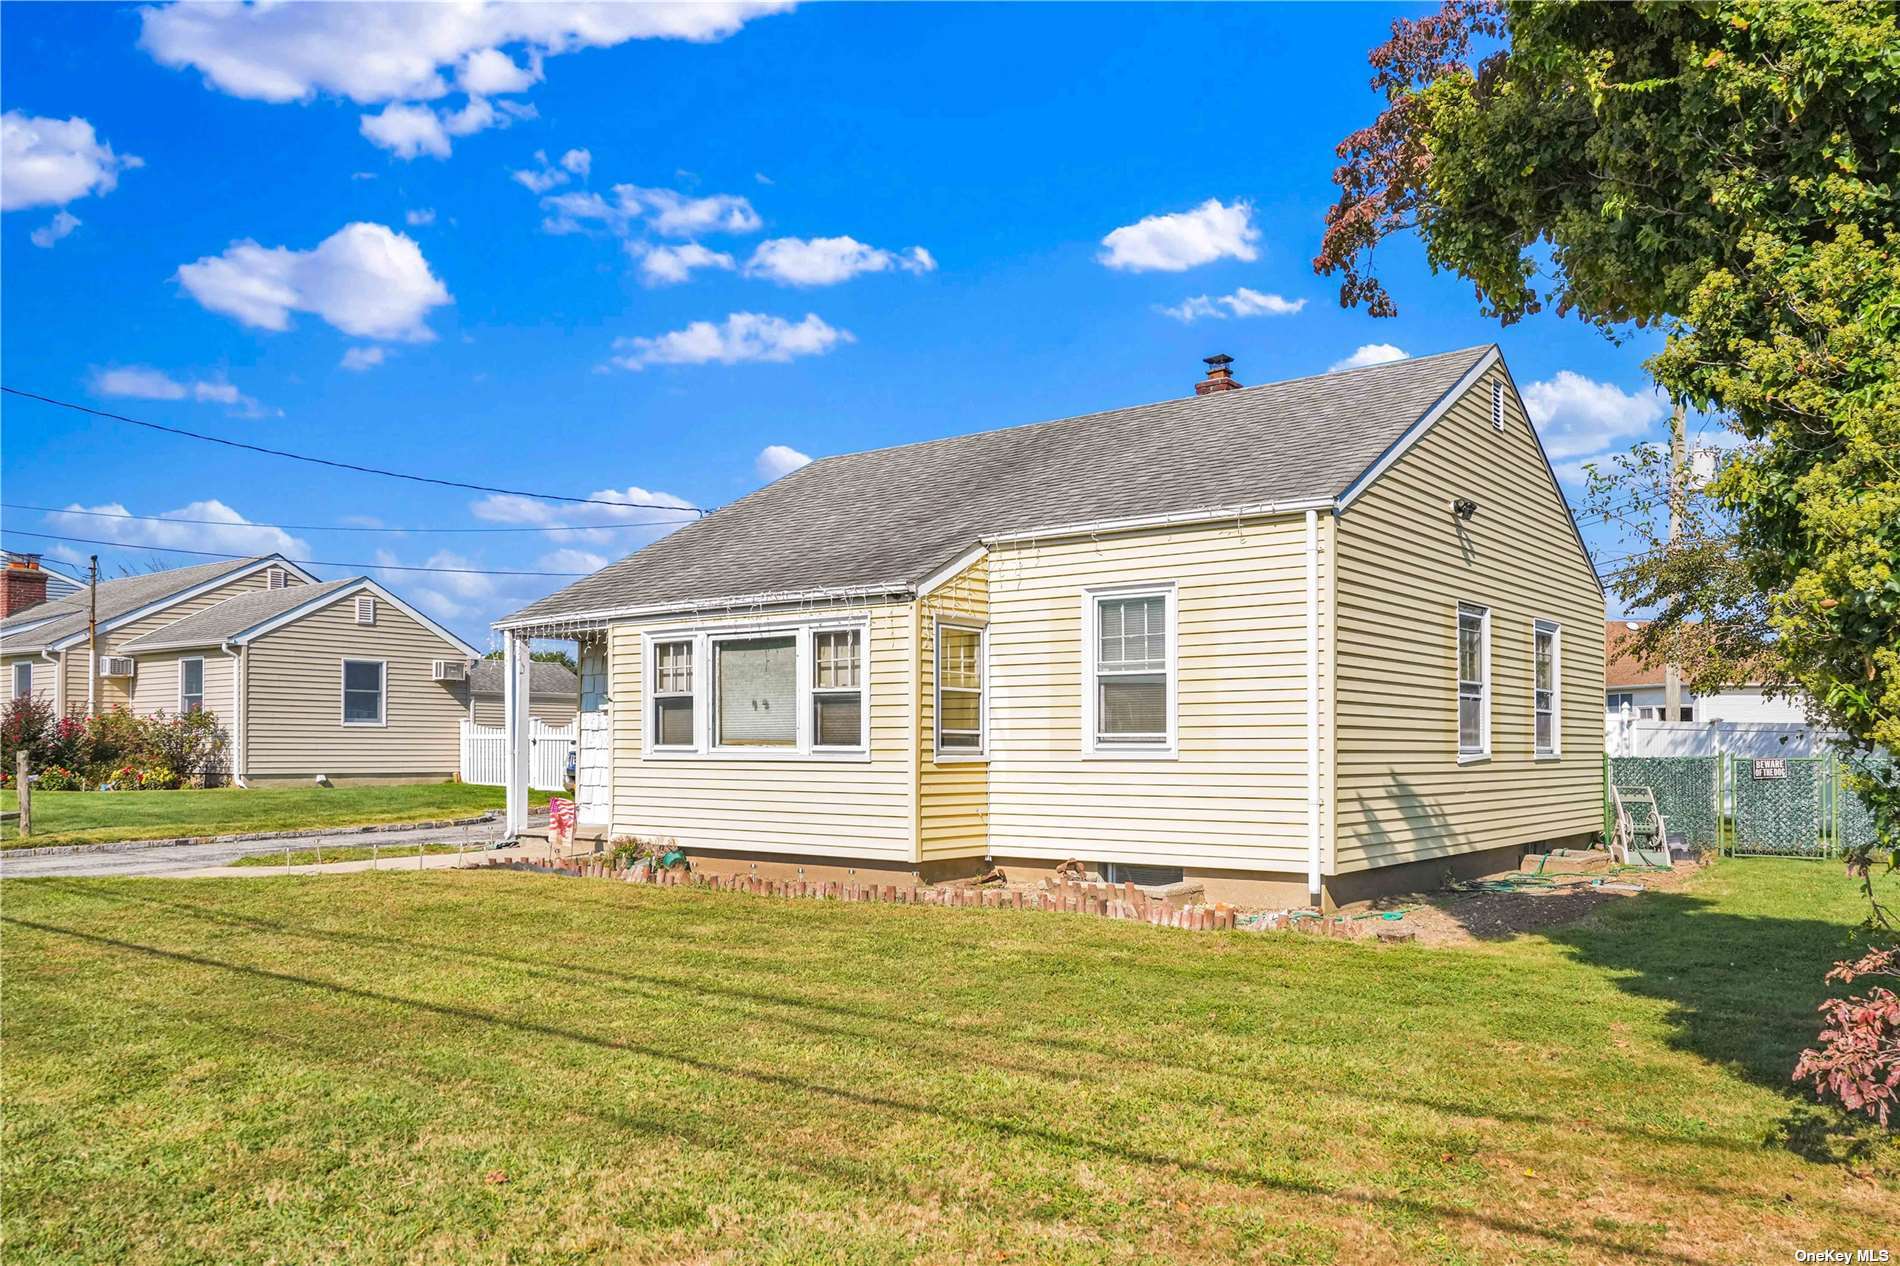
514,710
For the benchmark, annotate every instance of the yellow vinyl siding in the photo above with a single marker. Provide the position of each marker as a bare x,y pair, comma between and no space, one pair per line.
554,710
155,688
117,692
1234,794
293,723
1405,562
953,797
45,676
810,805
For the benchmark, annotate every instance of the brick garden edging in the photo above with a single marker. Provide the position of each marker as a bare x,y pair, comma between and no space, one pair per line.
133,846
1067,896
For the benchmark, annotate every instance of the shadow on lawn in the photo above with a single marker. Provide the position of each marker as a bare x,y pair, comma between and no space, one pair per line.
1014,1129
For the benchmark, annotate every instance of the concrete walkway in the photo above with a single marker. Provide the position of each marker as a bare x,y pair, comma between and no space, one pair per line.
179,860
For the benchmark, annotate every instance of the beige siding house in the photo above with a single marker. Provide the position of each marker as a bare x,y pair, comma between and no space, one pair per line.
554,693
1299,642
340,679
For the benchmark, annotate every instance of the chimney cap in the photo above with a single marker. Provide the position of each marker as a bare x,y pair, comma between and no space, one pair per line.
1217,359
19,558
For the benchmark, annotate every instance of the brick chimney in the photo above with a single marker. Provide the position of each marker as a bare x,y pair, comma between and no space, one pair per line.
24,585
1219,377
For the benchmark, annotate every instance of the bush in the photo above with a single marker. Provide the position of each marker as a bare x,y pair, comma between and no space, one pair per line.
183,746
1859,1059
24,727
60,778
112,740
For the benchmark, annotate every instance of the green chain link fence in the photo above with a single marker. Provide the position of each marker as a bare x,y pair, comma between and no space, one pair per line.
1686,792
1797,806
1783,807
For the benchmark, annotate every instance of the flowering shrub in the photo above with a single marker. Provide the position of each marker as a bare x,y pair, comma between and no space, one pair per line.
116,746
60,778
24,726
1859,1059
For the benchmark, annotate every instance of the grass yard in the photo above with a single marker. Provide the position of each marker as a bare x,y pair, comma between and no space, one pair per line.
313,857
102,817
424,1067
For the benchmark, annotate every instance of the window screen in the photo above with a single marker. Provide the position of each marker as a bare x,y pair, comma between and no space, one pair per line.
1131,668
362,691
756,689
191,685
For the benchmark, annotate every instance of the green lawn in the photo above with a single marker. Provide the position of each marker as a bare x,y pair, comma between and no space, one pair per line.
314,857
100,817
503,1067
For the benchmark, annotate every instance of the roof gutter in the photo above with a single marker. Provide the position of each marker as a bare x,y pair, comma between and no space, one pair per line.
901,589
1212,514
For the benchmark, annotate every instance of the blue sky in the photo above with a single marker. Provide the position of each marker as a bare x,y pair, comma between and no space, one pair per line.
650,251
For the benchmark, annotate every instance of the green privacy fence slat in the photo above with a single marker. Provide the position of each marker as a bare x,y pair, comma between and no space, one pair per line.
1790,814
1856,819
1685,788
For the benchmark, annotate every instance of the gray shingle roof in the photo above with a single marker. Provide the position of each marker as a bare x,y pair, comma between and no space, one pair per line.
116,598
232,616
544,678
891,516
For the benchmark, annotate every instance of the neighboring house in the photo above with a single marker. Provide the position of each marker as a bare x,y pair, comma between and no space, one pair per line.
553,692
340,678
1630,683
1305,641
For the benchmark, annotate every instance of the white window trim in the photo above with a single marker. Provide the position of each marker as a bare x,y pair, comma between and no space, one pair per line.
981,752
649,729
705,699
342,694
1091,748
1556,630
199,660
19,693
1483,752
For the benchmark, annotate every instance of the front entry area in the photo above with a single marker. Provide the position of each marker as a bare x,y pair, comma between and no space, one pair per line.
593,804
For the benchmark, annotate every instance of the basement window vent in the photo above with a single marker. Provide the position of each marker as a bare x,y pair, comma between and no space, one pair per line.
1497,406
1143,876
274,578
366,610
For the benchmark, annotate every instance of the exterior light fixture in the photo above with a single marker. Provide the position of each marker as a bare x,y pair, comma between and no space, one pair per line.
1465,508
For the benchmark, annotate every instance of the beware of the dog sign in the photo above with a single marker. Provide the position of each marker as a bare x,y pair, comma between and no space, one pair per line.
1776,767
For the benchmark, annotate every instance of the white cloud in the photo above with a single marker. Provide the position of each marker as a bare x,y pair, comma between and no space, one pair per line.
419,217
50,162
488,71
358,359
1183,239
1242,303
575,560
230,533
1368,354
142,382
778,460
410,131
578,161
681,215
1577,416
643,514
744,336
62,223
365,279
668,265
545,175
826,261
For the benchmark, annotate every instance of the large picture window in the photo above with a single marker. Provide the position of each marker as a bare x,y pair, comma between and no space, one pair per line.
1546,687
1474,681
755,685
1131,667
788,692
960,674
363,683
191,685
674,719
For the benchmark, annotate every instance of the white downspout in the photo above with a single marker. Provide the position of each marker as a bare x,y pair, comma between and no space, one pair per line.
237,713
1312,709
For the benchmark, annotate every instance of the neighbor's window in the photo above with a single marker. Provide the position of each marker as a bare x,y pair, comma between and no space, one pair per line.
1547,667
1474,680
755,692
837,688
22,680
959,690
363,681
191,685
673,694
1131,670
1617,701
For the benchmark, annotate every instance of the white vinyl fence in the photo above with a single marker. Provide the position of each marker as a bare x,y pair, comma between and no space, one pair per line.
485,754
1626,736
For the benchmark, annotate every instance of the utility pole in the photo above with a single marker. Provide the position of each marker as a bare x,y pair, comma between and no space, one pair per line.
1672,675
92,638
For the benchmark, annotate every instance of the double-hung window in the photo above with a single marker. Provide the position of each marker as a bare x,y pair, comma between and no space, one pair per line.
673,710
363,690
1474,681
1546,687
22,680
1131,669
837,688
960,672
191,685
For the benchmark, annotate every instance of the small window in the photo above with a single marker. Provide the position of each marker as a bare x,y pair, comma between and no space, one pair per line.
1619,700
755,689
1497,405
673,694
837,688
191,685
363,682
960,669
366,610
1474,681
1547,667
22,680
1131,691
274,578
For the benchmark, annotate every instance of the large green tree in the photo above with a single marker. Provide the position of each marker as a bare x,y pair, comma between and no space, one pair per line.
1730,173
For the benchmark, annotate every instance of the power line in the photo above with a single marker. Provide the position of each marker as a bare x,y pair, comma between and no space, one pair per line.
304,562
325,461
332,527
